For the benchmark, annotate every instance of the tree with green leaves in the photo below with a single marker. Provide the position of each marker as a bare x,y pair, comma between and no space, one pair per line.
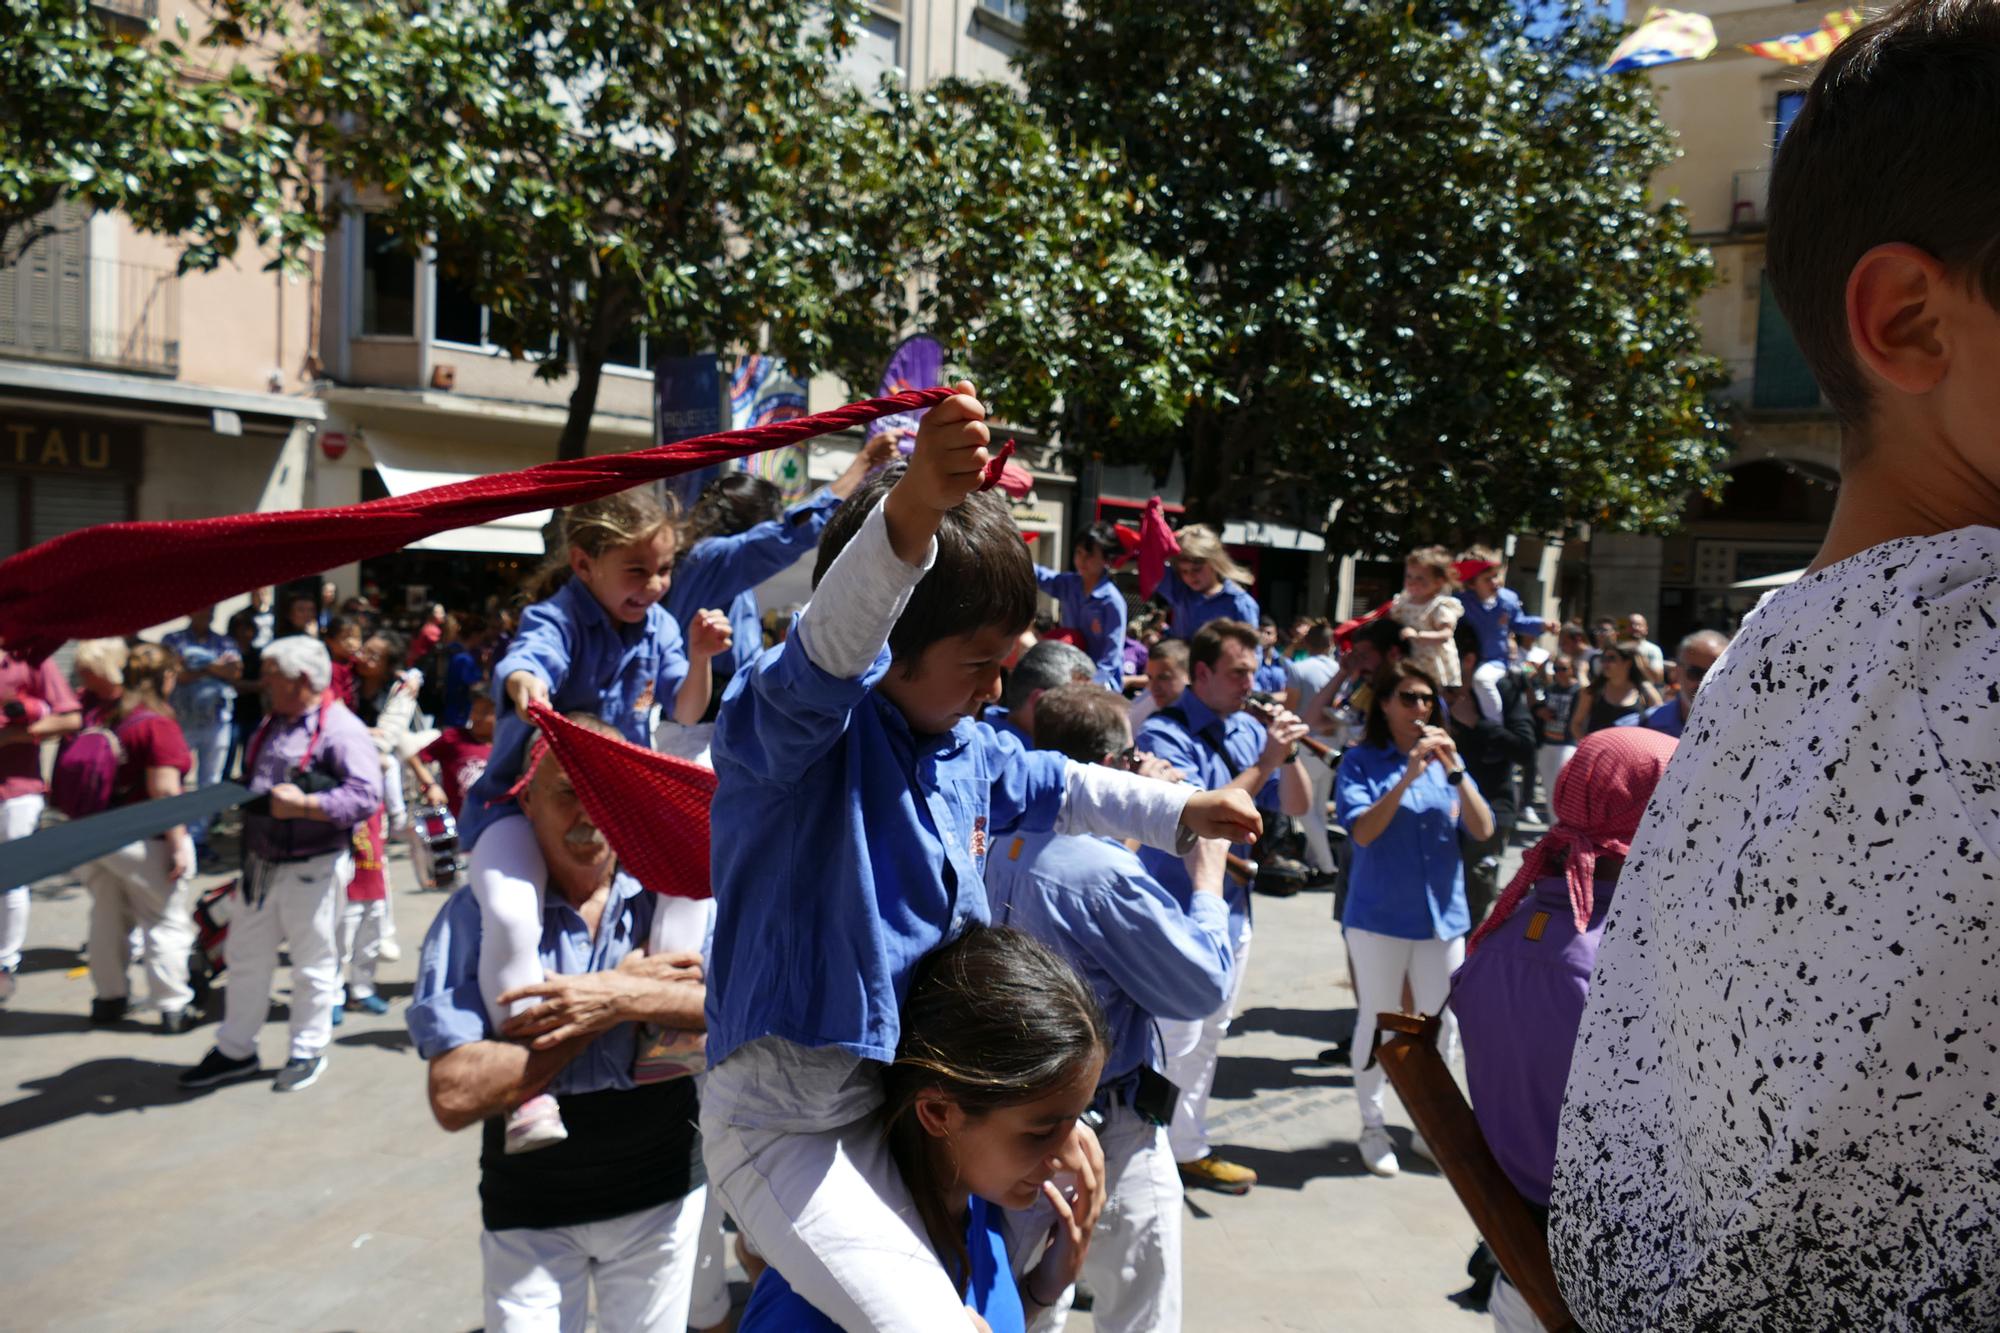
174,132
1432,287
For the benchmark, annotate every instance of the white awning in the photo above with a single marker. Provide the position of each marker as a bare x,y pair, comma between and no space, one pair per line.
1770,581
407,465
1275,536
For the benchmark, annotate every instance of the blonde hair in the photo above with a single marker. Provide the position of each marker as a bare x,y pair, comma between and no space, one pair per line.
597,526
1436,561
104,658
1200,542
147,667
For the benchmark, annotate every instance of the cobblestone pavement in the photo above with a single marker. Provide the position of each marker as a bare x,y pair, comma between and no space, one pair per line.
132,1204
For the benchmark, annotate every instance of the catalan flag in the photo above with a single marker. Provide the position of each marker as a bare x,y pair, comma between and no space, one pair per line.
1665,36
1802,48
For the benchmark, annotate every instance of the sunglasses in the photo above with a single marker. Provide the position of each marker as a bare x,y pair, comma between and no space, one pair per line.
1416,698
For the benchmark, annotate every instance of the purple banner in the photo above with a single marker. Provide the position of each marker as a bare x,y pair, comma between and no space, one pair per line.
917,364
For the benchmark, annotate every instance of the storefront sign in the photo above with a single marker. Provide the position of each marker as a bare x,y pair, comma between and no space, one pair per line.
76,445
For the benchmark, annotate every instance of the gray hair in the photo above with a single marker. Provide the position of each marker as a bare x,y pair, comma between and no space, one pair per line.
299,656
1713,640
1043,667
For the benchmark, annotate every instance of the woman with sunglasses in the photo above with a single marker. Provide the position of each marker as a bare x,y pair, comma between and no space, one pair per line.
1619,697
1404,797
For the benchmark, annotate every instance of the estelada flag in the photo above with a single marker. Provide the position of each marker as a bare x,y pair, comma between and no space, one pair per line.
1663,37
1802,48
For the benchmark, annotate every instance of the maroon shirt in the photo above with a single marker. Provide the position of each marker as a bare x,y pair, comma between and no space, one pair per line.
460,760
150,740
21,765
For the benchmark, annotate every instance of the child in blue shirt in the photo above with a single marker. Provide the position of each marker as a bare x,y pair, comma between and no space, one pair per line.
1091,603
1204,583
1496,615
1001,1050
857,799
597,641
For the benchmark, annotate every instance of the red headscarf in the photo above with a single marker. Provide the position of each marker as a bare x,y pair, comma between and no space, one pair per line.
1599,800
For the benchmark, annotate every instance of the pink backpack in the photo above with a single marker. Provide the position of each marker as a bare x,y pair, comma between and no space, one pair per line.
86,773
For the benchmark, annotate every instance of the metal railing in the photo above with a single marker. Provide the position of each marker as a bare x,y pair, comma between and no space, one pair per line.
91,310
1749,198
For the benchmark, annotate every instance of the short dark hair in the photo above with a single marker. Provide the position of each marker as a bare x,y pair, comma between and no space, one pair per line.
1466,640
1205,649
1173,650
1386,682
734,502
1383,634
982,579
1084,721
1319,638
1101,538
1898,140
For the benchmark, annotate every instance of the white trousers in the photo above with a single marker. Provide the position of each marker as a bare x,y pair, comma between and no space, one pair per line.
641,1265
1320,774
19,816
134,886
1192,1050
297,912
709,1304
1379,964
1549,761
360,945
1509,1309
1486,680
822,1203
507,874
1134,1263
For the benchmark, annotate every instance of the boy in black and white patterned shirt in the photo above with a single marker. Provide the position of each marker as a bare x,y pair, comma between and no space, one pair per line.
1784,1109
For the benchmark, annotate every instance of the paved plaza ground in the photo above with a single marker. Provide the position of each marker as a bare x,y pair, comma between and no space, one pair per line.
134,1205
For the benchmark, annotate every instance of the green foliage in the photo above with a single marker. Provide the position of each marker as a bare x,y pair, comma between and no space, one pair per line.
1431,284
174,133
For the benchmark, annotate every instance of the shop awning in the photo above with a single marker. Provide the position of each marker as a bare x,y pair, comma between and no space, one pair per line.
408,464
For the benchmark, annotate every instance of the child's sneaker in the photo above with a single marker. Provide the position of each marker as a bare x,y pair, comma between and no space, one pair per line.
535,1123
666,1053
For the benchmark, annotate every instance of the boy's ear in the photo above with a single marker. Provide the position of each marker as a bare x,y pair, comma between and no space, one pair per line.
1895,317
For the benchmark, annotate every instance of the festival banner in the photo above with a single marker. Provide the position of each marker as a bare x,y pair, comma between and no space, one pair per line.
687,402
1802,48
917,364
762,391
1663,37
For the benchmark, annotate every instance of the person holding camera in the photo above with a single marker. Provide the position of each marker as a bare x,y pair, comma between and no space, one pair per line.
316,774
1147,957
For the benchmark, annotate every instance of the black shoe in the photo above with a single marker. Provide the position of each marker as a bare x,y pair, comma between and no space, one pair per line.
108,1013
299,1073
1338,1055
176,1021
216,1069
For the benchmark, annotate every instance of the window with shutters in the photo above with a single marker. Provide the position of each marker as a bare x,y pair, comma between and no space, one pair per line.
60,302
388,283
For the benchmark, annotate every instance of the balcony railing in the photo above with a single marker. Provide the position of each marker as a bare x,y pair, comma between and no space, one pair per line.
89,310
1749,199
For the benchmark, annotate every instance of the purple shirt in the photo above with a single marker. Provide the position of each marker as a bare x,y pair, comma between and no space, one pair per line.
1519,1002
345,751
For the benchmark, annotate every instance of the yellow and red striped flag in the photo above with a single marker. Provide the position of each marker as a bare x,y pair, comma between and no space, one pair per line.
1802,48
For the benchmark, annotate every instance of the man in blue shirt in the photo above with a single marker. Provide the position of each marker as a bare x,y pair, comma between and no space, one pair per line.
1042,668
1146,958
738,536
617,1204
1215,744
1091,603
1698,652
204,700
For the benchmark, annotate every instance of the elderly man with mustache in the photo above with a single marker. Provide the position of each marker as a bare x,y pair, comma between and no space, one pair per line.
617,1203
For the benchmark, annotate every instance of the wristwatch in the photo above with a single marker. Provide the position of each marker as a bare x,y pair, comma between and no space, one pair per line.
1454,776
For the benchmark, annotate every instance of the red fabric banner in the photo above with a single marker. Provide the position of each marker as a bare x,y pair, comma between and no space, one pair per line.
117,578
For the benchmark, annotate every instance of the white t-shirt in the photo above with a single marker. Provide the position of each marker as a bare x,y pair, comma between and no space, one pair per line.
1784,1108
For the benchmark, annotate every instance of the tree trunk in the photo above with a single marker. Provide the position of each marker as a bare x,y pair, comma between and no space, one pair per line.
582,404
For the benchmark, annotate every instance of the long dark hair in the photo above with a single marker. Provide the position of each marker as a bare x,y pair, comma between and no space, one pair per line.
1386,682
992,1019
732,503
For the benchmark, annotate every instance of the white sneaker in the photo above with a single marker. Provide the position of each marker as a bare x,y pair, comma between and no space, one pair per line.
535,1123
1378,1154
391,952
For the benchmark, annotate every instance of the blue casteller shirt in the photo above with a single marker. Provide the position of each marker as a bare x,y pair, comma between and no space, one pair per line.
1409,883
1190,610
998,718
1194,739
846,847
590,662
1098,614
1091,900
1669,718
1274,674
991,1289
461,674
446,1011
721,572
1497,624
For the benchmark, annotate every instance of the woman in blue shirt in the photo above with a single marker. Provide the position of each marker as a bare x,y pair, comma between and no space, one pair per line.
1403,795
1000,1052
